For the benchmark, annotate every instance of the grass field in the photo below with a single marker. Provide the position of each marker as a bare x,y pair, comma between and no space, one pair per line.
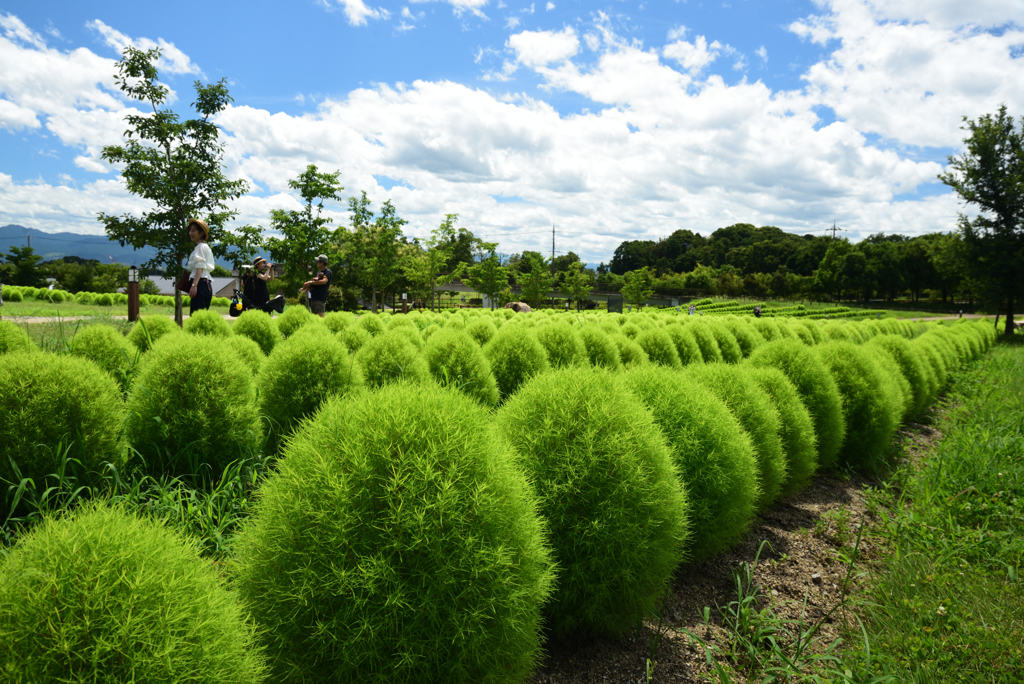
946,604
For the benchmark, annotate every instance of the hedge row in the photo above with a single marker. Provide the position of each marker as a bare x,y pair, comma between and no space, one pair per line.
17,293
445,484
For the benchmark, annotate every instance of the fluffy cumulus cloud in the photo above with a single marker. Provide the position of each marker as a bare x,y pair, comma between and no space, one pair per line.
665,143
907,70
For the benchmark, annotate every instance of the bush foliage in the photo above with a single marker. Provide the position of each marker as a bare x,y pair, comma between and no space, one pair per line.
609,490
398,542
103,595
456,360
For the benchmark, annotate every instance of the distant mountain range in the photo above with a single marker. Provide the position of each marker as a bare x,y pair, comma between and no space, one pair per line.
52,246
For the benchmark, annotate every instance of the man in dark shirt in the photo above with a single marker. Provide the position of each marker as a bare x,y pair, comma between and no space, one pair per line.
318,286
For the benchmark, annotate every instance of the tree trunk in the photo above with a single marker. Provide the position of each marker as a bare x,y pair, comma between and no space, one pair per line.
1009,317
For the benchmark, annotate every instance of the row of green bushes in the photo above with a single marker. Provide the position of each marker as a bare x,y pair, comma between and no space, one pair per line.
19,293
413,533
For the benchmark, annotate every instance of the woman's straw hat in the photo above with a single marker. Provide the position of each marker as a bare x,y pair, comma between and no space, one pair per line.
201,224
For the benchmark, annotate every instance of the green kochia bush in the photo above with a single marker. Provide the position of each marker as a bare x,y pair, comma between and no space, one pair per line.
659,347
713,453
817,389
48,401
706,342
562,344
248,351
727,343
206,322
746,335
870,403
631,353
14,339
298,376
609,490
102,595
515,356
259,327
482,330
600,348
149,329
455,360
915,369
686,344
757,415
796,428
390,357
108,349
293,318
398,542
192,407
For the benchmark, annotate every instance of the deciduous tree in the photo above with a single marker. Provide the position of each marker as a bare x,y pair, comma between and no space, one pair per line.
639,287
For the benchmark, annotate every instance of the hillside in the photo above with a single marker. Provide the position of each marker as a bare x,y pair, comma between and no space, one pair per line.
57,245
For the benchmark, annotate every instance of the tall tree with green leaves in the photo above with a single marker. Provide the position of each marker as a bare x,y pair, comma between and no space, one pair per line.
488,276
989,175
536,282
307,233
639,287
427,268
374,247
577,283
177,167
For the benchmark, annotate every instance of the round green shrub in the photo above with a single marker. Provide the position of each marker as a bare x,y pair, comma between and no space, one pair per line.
768,329
659,348
148,329
937,367
259,327
814,329
456,360
601,350
630,330
13,294
207,322
630,353
482,330
108,349
892,369
562,344
390,357
49,403
607,487
299,375
103,595
686,344
248,351
947,353
915,369
410,333
756,414
817,389
57,296
746,336
354,337
192,407
84,297
870,403
706,342
397,542
13,338
515,356
802,333
337,321
796,428
727,343
293,318
105,299
712,452
371,323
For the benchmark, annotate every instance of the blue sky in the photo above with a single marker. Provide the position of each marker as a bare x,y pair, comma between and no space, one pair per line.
615,120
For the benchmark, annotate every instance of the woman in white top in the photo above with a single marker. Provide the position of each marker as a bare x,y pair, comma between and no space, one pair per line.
199,266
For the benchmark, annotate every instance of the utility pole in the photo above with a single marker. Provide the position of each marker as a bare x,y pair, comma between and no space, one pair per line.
552,264
834,230
28,239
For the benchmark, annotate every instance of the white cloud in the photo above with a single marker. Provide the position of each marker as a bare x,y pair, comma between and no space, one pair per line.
762,52
909,70
539,48
660,147
459,7
15,30
172,60
550,6
511,23
695,56
356,11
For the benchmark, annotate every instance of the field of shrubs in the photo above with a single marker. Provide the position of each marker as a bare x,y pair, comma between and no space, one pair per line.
409,498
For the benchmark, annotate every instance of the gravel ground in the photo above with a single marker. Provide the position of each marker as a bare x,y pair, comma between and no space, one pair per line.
806,533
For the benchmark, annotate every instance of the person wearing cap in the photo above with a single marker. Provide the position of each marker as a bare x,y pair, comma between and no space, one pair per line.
199,266
254,283
318,286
